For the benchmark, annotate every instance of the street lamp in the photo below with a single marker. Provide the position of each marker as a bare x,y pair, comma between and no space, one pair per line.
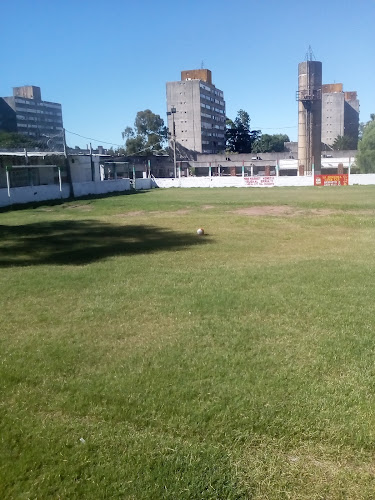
172,112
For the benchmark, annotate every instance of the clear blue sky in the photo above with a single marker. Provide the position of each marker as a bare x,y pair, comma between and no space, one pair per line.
104,61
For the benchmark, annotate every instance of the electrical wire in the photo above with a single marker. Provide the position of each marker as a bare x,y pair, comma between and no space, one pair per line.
96,140
273,128
111,143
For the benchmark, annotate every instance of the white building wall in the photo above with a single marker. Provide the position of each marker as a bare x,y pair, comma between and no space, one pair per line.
80,167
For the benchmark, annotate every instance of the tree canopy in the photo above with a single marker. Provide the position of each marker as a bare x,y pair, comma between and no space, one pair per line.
366,148
239,137
14,140
270,143
344,142
148,135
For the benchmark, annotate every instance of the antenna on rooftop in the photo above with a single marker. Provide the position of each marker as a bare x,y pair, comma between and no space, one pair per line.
202,64
310,54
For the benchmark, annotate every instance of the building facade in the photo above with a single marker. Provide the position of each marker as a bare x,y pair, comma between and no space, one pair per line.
25,112
197,113
340,114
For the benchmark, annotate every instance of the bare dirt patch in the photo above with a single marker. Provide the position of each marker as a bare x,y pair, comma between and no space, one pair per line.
324,211
276,211
283,211
181,211
135,213
132,214
207,207
85,208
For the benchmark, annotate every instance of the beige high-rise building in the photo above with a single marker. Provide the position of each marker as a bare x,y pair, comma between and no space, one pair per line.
340,114
197,110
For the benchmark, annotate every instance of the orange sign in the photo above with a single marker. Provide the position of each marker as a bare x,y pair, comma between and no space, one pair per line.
331,180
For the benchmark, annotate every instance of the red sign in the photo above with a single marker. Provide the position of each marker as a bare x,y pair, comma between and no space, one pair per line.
331,180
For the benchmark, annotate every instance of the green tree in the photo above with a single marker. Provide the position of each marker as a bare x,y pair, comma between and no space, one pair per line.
128,132
136,145
344,142
146,123
149,134
366,148
243,118
239,137
270,143
14,140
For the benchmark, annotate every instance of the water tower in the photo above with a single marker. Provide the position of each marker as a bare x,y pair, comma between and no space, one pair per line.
309,115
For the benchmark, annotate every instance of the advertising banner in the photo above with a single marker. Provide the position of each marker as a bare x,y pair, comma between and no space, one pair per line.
331,180
260,181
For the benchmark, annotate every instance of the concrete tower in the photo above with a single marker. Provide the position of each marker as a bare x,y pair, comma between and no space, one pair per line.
198,116
309,116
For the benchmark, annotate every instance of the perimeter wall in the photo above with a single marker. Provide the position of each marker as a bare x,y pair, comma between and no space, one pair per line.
30,194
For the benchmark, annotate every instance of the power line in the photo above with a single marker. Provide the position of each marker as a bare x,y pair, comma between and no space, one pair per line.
273,128
96,140
111,143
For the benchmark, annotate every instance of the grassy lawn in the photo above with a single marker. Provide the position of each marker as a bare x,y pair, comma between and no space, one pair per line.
140,361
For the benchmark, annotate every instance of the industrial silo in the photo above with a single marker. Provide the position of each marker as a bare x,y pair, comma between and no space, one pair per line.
309,116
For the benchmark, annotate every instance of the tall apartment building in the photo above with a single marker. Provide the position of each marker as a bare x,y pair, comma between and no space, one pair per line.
25,112
199,117
340,114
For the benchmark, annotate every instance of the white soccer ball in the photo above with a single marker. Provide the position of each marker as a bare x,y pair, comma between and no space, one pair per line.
200,231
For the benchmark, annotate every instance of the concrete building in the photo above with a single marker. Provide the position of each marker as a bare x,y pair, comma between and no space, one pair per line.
25,112
340,114
198,113
309,116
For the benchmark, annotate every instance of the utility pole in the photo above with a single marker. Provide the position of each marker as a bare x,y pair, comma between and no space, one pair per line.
67,165
172,112
92,165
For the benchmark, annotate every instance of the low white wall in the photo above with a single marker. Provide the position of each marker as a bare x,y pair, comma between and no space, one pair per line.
30,194
103,187
51,192
227,181
303,180
143,184
256,181
361,179
234,181
202,182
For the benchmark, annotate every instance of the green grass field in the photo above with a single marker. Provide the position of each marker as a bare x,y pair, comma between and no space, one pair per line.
141,361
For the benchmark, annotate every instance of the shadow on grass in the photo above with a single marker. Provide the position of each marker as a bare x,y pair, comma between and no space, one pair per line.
84,242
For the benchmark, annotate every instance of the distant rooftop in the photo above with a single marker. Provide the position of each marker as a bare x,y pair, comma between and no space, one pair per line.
197,74
28,92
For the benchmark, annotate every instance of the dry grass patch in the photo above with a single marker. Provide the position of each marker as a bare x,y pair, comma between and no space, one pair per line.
273,470
282,211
